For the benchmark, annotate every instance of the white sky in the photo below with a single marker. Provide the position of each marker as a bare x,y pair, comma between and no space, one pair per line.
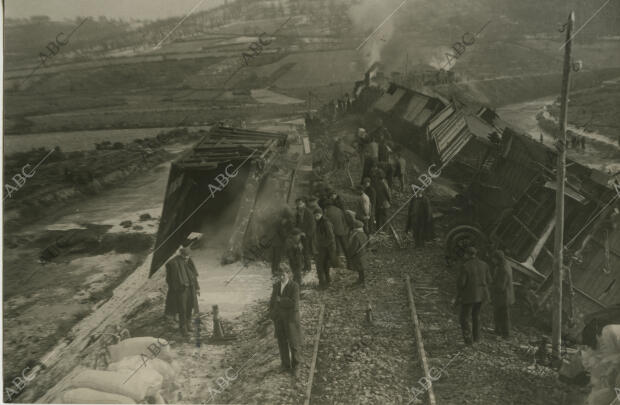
124,9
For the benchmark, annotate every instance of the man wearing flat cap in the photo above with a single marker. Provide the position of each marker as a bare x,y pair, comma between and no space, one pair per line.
304,220
295,254
183,289
472,290
325,242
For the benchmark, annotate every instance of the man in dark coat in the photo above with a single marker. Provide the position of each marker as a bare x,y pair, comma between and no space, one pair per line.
371,157
304,220
472,290
502,292
183,289
381,131
325,242
357,250
339,156
384,150
383,198
336,200
420,219
294,252
283,228
337,218
284,311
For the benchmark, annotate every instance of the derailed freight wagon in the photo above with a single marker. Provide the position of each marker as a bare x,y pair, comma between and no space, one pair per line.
216,182
406,114
510,203
509,195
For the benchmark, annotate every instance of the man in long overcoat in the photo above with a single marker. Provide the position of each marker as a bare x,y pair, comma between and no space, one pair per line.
284,311
325,242
304,220
294,252
357,250
420,219
502,292
336,216
383,199
472,290
283,227
183,289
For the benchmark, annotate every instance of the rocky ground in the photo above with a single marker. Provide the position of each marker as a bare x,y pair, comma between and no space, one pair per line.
378,363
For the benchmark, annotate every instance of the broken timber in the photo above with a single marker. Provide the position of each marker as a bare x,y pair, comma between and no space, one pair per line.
222,172
396,236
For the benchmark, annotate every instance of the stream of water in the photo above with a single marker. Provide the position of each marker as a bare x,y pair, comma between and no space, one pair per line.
602,154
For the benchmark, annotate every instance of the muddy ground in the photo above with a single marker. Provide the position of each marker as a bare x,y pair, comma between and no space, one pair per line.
62,264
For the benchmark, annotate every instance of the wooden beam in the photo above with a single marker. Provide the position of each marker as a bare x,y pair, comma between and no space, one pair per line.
540,245
396,236
244,213
532,234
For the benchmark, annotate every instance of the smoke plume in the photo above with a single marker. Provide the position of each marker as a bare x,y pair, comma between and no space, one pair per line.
367,16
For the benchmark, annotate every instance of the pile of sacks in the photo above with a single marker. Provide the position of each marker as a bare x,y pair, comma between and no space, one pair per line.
603,364
139,368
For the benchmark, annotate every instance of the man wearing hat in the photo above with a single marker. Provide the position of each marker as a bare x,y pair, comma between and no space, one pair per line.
337,218
361,139
294,252
472,290
502,292
283,228
383,198
420,219
325,242
304,220
313,203
284,311
357,250
183,289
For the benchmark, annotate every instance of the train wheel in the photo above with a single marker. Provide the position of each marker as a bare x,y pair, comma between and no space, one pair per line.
460,237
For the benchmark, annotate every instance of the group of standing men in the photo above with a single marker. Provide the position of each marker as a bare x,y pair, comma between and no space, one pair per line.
478,283
321,229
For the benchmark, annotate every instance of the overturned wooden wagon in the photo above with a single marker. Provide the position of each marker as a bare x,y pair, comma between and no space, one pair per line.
214,186
509,196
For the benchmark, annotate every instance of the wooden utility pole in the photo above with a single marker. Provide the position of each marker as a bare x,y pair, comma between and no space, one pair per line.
558,265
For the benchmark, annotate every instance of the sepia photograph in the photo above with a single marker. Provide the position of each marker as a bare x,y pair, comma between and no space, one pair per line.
311,202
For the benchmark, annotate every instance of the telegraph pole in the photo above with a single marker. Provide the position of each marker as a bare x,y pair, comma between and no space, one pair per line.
558,265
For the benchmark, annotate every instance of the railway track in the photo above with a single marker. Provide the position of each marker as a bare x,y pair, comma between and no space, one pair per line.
385,360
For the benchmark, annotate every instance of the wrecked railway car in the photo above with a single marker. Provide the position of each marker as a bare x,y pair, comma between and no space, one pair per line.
215,185
512,196
509,197
407,113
